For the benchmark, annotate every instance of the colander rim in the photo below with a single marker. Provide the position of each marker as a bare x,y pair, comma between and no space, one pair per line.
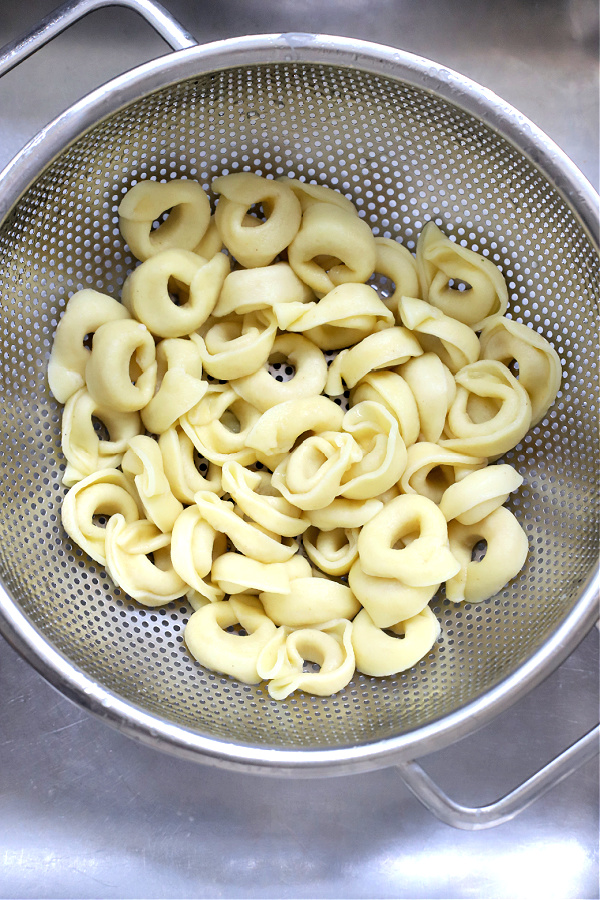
375,59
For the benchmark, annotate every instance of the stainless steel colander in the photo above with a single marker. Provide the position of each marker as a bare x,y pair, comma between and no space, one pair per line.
407,141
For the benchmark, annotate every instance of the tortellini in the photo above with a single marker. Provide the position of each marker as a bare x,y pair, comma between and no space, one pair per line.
210,455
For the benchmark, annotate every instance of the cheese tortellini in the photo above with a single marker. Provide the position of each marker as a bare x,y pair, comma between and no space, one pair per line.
210,454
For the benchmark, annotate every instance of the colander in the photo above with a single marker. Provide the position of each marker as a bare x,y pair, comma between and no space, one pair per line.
408,141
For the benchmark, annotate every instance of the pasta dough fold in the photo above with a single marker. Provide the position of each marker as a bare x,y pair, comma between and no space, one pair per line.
128,547
118,348
444,264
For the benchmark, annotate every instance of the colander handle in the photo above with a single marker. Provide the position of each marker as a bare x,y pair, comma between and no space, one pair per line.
55,22
507,807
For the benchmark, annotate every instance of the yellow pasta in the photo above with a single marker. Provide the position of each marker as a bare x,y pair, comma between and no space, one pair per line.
299,532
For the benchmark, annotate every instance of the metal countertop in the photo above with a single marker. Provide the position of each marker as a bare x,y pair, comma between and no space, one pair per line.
85,811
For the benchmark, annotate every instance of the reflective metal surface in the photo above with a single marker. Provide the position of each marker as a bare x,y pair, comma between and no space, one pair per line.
115,819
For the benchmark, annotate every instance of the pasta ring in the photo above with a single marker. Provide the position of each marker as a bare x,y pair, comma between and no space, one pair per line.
237,346
327,230
213,646
539,365
330,646
375,430
308,194
431,469
105,493
311,476
440,260
147,201
479,493
196,281
255,246
263,391
377,653
85,312
395,262
219,425
503,427
152,583
117,349
425,559
332,551
84,450
505,556
390,347
279,427
388,600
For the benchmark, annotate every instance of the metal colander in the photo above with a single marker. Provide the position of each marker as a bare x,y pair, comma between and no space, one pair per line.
408,142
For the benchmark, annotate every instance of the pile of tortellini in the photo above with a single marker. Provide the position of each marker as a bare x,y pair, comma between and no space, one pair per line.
308,539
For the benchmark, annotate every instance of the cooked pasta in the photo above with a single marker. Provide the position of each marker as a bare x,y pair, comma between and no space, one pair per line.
307,535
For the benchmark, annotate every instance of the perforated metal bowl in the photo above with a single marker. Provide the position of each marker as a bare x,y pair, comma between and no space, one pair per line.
407,141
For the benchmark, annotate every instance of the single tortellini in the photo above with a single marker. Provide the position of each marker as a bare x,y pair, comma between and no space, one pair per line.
387,348
434,390
214,646
105,493
444,265
193,281
188,217
257,245
219,425
179,384
344,316
397,264
85,451
195,547
408,540
431,469
334,551
237,345
539,365
279,427
85,312
479,493
143,460
505,553
270,510
311,476
393,392
453,342
378,653
120,373
152,582
346,241
283,659
249,538
250,290
262,389
179,463
383,459
388,600
497,425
